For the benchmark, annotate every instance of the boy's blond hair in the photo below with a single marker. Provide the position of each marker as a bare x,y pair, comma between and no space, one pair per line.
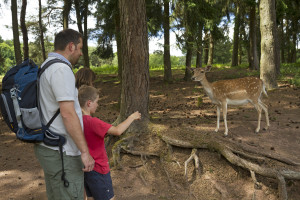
86,93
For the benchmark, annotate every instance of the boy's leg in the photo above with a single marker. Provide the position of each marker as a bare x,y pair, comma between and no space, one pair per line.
50,161
98,186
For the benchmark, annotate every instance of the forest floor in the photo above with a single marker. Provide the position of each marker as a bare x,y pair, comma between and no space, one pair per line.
176,108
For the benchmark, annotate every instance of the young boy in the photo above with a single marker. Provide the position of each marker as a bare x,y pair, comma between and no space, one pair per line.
98,183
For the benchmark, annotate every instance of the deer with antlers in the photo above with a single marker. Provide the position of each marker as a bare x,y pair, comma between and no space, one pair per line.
233,92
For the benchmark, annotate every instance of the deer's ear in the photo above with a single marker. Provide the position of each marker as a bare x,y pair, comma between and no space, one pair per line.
208,67
190,69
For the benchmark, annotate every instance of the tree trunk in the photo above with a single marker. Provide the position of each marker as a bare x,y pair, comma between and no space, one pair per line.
15,26
85,49
188,59
167,58
24,29
254,63
79,17
294,38
41,31
282,39
135,58
199,47
66,12
206,47
211,49
118,41
268,53
235,54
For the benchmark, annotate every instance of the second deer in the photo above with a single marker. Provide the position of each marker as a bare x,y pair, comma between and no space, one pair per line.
233,92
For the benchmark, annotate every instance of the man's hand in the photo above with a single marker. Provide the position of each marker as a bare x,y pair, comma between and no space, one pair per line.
87,161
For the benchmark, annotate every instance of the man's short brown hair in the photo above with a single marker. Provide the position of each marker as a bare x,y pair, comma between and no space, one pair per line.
64,37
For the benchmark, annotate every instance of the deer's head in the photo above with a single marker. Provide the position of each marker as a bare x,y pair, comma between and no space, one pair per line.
199,73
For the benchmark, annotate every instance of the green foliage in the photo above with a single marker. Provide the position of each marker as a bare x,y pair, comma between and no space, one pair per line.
223,50
7,58
156,61
291,72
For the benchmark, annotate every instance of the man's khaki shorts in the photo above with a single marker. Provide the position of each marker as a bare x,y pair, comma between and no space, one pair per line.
50,160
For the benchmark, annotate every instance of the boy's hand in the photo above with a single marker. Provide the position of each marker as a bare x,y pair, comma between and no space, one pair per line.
136,115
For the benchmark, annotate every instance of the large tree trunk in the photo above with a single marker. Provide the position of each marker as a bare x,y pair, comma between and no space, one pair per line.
235,55
135,58
66,12
211,49
15,26
254,63
41,31
24,29
167,59
268,53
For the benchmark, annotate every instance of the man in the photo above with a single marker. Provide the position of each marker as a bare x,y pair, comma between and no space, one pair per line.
57,91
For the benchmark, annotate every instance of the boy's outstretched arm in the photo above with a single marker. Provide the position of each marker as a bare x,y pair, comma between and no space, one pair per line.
118,130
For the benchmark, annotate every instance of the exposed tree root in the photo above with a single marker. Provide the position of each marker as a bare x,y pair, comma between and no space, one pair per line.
232,156
243,157
196,158
262,153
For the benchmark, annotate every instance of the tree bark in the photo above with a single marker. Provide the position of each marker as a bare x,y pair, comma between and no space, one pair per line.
15,26
254,63
206,47
24,29
118,41
268,52
79,17
135,58
41,31
85,49
211,49
282,39
234,61
188,59
199,47
66,12
167,58
188,42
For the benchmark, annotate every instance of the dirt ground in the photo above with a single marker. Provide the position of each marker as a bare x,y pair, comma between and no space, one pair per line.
177,107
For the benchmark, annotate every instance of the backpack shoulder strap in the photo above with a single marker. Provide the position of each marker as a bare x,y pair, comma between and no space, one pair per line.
49,63
41,70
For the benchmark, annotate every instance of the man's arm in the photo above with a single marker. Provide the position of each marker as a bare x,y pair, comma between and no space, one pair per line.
73,126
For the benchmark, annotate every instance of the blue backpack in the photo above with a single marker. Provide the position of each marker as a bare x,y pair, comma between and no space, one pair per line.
20,106
19,101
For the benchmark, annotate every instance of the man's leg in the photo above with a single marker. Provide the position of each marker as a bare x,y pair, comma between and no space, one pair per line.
50,161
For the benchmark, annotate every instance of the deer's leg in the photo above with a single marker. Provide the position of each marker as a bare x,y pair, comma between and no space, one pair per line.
258,108
224,110
265,108
218,119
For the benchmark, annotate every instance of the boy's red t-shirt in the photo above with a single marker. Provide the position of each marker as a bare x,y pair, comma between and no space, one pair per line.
94,132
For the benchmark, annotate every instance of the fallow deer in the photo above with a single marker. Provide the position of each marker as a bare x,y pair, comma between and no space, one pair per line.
233,92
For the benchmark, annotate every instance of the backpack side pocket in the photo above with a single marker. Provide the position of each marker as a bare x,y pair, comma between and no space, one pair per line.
31,118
